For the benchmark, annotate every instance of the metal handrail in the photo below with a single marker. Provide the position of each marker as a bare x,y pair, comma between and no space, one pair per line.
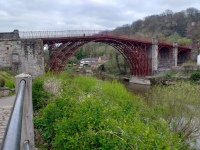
26,145
12,136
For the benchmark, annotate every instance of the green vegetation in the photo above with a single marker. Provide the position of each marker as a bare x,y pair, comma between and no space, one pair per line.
7,77
177,38
179,105
90,114
195,76
182,27
40,96
2,82
169,75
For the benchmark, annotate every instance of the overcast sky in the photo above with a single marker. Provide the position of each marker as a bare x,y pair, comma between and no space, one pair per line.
37,15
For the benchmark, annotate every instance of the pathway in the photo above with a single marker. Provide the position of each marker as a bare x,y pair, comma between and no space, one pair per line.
6,104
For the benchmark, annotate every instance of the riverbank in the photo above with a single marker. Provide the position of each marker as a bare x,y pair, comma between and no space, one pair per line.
180,73
188,71
169,77
182,81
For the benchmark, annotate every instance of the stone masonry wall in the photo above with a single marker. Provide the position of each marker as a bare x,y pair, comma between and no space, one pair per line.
9,35
6,50
32,57
22,55
194,54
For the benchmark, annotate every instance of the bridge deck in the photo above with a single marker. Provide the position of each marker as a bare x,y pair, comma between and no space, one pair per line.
6,104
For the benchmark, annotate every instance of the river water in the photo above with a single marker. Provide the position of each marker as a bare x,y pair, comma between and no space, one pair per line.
137,89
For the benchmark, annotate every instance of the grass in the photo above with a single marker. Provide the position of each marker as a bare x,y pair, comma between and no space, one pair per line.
8,76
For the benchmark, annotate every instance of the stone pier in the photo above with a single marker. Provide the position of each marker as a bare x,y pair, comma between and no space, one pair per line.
154,56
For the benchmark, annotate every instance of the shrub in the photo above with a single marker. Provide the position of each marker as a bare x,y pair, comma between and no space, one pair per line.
169,75
195,76
2,82
40,96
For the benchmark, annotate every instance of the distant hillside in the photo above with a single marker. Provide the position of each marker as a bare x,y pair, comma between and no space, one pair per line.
167,26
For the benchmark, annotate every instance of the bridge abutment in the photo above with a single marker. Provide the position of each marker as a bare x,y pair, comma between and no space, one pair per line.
21,55
32,57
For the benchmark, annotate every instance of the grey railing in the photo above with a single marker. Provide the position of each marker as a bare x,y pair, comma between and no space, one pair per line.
19,134
12,136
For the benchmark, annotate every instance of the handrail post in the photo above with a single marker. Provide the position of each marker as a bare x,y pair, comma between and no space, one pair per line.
27,133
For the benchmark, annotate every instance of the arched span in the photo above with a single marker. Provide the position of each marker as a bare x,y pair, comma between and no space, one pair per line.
183,56
61,49
165,57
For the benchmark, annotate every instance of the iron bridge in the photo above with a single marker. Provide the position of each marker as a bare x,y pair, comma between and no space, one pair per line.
138,54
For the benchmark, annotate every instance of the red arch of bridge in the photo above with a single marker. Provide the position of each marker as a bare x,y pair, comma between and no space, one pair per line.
137,53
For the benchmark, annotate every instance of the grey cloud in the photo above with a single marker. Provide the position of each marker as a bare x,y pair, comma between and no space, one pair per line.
81,14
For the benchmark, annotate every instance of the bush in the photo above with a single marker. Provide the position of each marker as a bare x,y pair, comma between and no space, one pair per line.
169,75
2,82
195,76
40,96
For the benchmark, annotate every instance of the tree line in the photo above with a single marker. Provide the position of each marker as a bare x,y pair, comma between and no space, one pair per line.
167,26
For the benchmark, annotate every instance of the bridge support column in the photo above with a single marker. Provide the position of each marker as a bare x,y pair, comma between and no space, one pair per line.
27,132
154,56
175,54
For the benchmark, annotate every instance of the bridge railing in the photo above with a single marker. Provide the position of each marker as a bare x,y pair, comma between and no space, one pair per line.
20,132
55,34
